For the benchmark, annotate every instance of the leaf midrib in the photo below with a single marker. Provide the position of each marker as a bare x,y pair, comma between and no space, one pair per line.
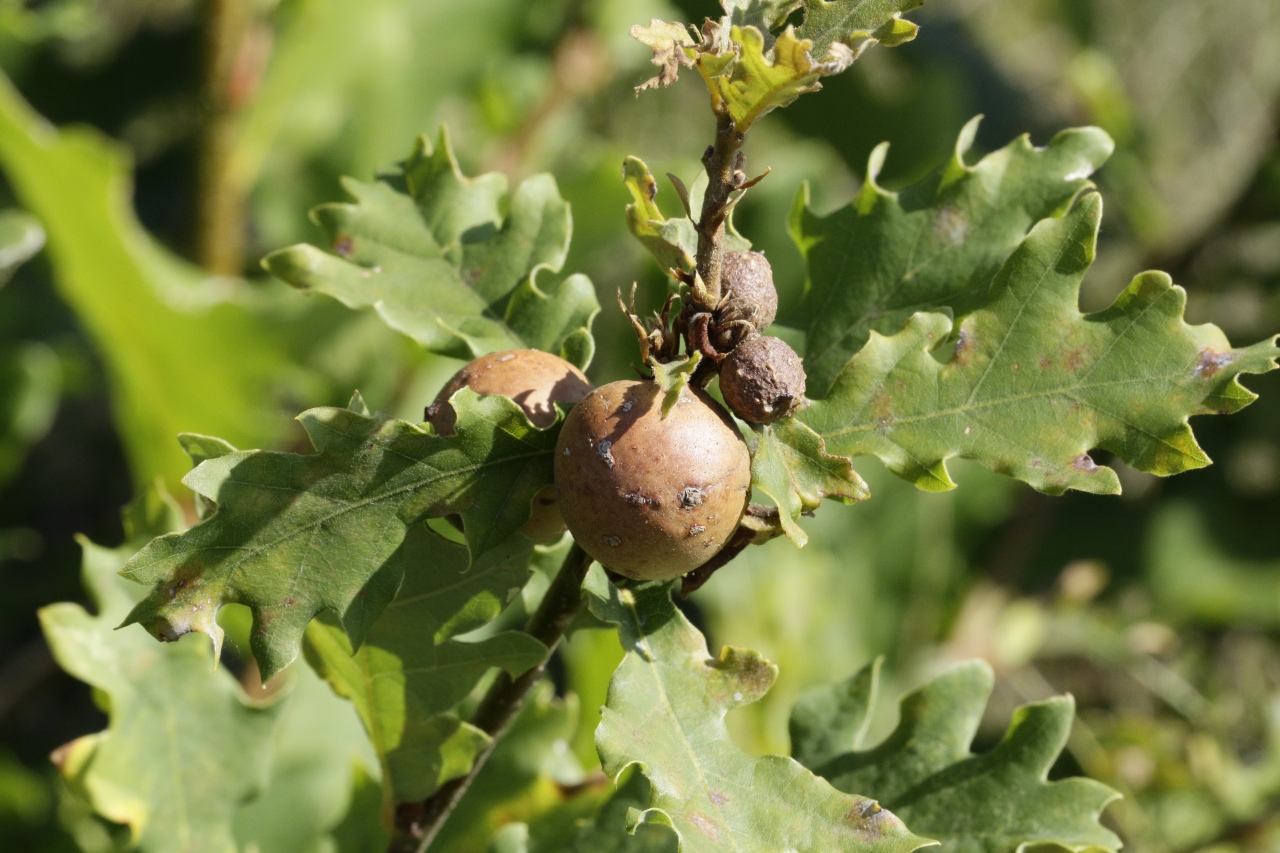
232,571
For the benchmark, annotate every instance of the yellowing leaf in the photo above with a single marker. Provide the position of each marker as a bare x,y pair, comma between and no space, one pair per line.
669,43
757,82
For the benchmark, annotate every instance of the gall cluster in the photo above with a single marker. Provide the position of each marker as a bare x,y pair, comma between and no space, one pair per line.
653,496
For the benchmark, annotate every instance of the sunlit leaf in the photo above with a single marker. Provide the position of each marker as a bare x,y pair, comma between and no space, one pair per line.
791,465
932,247
759,80
1033,385
856,24
294,535
997,802
453,262
665,713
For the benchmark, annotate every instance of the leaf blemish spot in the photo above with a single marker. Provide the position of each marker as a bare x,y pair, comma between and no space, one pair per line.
1211,361
1084,462
964,348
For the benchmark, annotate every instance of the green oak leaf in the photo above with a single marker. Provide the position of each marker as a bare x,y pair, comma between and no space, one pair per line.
764,15
1033,385
750,71
665,712
411,671
294,535
832,719
608,830
319,755
997,802
932,247
791,465
452,262
856,24
183,747
20,238
672,242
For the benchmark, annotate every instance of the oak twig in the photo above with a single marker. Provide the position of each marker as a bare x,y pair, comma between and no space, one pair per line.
419,823
723,162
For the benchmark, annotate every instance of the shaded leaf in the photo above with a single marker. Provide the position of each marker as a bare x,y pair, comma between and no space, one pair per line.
320,758
997,802
608,830
294,535
411,672
31,384
832,719
665,713
451,261
1033,384
791,465
527,773
856,24
932,247
1194,578
183,745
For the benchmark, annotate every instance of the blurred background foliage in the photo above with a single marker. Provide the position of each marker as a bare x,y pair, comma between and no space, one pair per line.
153,150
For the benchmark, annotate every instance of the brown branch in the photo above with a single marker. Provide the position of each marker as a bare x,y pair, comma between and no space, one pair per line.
418,824
723,162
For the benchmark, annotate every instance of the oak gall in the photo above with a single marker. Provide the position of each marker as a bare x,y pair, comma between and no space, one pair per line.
536,381
648,497
762,380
